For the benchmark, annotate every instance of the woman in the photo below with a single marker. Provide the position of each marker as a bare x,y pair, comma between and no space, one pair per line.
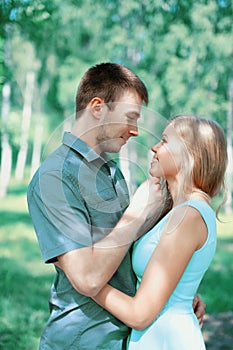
171,259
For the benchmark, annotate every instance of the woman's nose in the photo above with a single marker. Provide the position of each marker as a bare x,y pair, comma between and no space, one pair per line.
154,148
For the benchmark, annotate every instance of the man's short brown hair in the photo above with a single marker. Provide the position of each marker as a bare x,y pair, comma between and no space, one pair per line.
108,81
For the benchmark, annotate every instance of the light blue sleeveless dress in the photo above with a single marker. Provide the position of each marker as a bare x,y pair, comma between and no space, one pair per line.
176,327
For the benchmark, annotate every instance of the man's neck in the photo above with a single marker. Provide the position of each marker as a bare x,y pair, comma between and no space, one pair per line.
86,130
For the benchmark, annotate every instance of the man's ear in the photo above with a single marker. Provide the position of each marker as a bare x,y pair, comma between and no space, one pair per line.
96,106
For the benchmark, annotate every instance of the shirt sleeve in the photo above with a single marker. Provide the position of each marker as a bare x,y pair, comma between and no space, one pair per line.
58,213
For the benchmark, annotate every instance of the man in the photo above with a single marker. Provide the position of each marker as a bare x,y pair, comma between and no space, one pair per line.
76,198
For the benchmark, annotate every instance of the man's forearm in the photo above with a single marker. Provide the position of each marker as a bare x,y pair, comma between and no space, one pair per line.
90,268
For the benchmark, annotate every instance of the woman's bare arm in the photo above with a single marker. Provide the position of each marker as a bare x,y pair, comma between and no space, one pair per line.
161,275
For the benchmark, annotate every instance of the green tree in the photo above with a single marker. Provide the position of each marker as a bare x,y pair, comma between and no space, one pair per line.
182,50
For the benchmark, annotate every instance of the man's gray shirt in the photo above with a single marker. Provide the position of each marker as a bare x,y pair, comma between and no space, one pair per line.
75,198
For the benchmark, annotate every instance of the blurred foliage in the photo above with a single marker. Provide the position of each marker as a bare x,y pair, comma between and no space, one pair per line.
182,50
216,295
24,279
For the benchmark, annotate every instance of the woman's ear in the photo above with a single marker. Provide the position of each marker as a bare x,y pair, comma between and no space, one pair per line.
96,106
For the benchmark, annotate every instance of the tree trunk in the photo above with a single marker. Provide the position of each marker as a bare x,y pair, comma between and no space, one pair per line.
128,159
37,144
26,120
6,158
229,172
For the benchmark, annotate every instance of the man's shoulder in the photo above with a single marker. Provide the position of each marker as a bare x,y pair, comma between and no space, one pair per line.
62,160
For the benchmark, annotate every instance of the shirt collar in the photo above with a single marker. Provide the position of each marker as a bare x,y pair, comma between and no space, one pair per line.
82,148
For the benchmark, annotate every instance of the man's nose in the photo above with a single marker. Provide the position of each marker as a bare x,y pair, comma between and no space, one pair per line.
133,130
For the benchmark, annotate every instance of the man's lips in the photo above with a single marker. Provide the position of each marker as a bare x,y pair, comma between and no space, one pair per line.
125,139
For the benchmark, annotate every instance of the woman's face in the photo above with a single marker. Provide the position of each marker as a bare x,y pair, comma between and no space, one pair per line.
168,155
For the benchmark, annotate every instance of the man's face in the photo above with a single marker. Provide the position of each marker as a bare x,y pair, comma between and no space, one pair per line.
119,123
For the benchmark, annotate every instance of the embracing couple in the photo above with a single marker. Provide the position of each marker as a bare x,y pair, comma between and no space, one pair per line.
127,274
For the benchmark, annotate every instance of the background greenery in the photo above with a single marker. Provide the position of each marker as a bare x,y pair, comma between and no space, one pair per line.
181,49
24,279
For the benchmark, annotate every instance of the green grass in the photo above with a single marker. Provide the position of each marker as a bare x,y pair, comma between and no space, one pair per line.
25,280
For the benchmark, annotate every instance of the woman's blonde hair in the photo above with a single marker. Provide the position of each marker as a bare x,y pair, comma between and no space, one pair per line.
206,147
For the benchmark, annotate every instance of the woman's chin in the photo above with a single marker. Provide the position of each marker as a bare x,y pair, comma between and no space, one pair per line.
153,173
